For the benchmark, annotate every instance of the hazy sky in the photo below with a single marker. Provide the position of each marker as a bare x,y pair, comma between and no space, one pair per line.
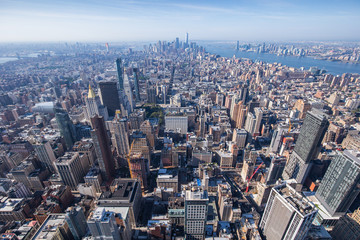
110,20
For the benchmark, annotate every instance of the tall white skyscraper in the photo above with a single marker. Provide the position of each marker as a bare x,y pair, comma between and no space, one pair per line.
128,94
94,107
250,123
288,215
46,155
119,136
240,136
70,169
196,202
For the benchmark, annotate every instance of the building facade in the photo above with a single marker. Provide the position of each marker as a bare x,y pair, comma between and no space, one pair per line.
196,208
307,146
287,215
340,185
102,147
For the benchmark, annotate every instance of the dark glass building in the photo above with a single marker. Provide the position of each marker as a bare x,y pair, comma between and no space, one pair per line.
120,72
102,147
341,183
307,146
109,96
66,127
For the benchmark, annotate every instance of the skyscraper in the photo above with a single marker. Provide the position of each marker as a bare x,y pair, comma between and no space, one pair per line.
147,128
239,137
244,94
259,115
187,40
307,146
196,202
276,169
250,123
287,215
119,136
240,120
76,220
139,168
70,169
202,127
225,208
234,108
151,94
102,147
177,43
140,144
102,225
46,155
93,105
276,138
120,72
66,127
93,177
129,103
136,83
340,185
303,107
109,96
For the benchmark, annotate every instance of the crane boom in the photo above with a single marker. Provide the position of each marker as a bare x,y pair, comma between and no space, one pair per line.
290,126
247,187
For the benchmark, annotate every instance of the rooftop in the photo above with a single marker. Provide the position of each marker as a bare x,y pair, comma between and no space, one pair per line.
10,204
68,157
121,190
94,171
48,229
196,194
222,154
297,201
353,155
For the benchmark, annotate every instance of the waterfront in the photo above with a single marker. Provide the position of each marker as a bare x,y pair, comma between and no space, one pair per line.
7,59
336,68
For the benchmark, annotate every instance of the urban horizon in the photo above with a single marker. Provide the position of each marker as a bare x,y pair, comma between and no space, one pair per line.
173,138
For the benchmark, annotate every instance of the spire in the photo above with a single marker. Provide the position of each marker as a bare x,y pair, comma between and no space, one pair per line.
91,93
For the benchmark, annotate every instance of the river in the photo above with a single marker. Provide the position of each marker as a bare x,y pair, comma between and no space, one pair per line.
7,59
336,68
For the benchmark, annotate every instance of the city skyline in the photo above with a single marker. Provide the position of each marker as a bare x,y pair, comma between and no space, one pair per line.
183,120
148,21
175,142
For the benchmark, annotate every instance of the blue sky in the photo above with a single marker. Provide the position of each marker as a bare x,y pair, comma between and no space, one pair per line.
140,20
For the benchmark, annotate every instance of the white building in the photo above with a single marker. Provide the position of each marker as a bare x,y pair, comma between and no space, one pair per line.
288,215
46,155
94,107
177,123
240,136
102,225
70,169
196,202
